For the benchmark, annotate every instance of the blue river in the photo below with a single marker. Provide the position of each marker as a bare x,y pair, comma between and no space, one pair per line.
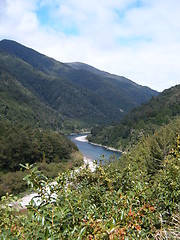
91,151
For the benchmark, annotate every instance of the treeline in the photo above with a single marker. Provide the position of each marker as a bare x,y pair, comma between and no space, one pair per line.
22,144
150,153
140,122
135,197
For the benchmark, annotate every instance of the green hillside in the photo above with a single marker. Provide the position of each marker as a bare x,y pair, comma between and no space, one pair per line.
21,144
141,121
79,95
133,197
38,93
23,138
19,105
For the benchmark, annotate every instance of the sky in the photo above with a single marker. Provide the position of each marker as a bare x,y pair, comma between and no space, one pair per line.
138,39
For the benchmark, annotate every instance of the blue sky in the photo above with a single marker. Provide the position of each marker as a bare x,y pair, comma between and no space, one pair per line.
138,39
43,15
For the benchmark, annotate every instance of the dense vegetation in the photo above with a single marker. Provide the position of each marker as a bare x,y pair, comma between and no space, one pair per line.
134,197
19,105
122,199
21,144
77,97
141,121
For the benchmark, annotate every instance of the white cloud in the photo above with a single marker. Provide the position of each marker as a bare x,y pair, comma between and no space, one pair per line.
139,42
19,19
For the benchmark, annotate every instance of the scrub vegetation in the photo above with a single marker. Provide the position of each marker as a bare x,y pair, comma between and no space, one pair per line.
133,197
110,203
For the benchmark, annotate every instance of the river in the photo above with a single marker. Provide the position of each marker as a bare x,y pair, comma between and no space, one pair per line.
91,151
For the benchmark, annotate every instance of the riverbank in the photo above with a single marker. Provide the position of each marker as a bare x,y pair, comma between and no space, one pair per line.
108,148
84,139
87,161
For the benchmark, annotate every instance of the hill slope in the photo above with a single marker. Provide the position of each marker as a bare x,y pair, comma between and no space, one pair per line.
19,105
141,121
130,91
78,95
83,66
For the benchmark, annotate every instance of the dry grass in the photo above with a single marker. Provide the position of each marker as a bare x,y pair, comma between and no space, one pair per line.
172,232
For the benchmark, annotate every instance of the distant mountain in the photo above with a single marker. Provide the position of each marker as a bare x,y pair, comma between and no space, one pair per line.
83,66
76,97
144,120
125,84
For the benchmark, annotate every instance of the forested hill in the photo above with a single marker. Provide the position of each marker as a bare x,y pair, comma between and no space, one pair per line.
128,82
76,97
133,197
19,105
141,121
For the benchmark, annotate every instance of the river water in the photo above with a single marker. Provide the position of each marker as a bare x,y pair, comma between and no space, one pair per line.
90,151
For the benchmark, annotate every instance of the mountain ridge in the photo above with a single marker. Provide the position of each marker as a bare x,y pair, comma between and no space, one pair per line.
84,66
77,94
141,121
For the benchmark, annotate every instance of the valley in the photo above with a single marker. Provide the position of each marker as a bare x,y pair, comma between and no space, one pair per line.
132,195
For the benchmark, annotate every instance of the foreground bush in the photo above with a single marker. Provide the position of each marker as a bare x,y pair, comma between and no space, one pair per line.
82,205
108,203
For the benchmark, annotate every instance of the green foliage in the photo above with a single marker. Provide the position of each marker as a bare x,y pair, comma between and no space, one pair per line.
135,197
52,151
12,182
41,82
148,155
23,144
167,183
84,205
104,204
110,203
142,121
10,223
19,105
